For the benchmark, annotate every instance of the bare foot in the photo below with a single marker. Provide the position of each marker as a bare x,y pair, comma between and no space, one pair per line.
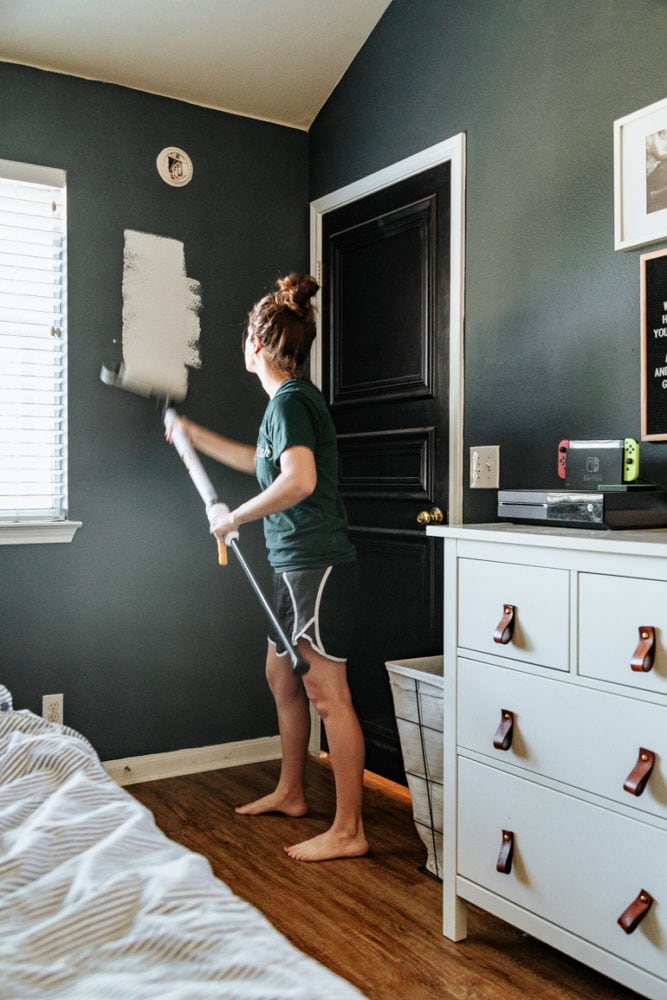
275,802
327,846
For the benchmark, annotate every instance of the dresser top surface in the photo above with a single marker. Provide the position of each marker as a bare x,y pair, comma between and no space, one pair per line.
651,542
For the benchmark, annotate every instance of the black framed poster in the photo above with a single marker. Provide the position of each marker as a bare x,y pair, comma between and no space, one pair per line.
653,281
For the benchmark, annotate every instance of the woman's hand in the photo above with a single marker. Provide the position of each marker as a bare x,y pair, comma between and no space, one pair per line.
185,426
222,521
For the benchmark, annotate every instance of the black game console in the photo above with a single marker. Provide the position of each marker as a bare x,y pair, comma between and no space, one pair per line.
612,507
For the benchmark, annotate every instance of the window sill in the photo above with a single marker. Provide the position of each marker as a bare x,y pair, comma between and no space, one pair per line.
38,532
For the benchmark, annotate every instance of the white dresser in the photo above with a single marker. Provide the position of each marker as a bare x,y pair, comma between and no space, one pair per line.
555,740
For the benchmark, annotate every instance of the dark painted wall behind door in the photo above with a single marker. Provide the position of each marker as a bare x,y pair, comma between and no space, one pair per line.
154,646
552,312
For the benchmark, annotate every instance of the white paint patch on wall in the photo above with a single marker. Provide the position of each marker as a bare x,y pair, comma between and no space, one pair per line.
161,306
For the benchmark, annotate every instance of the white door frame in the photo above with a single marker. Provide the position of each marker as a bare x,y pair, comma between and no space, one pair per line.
454,151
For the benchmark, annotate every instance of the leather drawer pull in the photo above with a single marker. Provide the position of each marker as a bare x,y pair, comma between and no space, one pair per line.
631,918
505,626
644,654
504,862
635,783
505,731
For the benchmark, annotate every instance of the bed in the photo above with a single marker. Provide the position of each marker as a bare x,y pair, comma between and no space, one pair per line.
97,903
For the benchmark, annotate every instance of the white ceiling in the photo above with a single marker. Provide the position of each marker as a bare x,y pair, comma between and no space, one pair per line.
277,60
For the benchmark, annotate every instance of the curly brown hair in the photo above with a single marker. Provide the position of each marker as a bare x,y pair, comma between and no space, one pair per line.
284,322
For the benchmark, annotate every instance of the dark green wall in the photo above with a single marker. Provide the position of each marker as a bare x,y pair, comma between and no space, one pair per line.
552,311
154,646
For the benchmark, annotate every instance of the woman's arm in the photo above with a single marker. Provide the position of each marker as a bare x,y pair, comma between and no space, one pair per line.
231,453
296,481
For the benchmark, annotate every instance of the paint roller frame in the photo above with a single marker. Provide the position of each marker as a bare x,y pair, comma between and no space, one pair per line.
115,376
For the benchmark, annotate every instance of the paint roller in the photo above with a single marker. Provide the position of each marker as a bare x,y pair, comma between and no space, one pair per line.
121,379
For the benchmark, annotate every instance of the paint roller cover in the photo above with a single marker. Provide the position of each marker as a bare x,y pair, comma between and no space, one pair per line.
161,306
116,376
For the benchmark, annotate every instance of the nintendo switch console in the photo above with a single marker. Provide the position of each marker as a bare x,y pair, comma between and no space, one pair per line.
586,465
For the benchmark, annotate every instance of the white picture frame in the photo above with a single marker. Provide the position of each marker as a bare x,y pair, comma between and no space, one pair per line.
174,166
640,177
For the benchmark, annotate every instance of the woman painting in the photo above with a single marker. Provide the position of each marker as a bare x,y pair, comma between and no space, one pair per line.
313,561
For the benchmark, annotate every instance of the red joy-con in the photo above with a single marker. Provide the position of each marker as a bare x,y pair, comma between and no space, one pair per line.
562,457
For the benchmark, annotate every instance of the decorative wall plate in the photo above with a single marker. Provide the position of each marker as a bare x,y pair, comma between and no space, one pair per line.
174,166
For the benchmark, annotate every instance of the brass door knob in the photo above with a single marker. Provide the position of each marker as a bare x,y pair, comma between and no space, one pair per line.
432,516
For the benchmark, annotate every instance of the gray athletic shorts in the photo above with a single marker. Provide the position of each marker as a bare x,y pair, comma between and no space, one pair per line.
318,605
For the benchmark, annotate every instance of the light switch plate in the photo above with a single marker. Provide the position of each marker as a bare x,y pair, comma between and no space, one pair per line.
485,467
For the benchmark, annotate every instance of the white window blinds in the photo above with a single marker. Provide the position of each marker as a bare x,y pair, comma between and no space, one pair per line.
33,353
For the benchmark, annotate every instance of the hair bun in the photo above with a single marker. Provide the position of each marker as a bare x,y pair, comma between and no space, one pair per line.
295,291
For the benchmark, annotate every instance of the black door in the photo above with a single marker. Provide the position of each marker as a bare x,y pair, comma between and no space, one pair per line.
385,343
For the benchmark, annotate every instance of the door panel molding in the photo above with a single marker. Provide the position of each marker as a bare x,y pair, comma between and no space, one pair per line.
373,246
371,529
416,548
397,465
452,150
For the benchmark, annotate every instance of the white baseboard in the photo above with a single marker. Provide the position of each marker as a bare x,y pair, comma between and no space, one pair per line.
152,766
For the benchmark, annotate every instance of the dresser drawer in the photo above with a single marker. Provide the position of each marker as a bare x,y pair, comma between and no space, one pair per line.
575,864
541,597
611,610
588,739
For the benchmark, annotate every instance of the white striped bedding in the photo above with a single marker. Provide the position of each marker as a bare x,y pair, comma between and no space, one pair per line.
96,903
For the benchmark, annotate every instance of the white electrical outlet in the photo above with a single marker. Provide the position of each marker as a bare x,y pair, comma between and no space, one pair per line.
485,467
52,707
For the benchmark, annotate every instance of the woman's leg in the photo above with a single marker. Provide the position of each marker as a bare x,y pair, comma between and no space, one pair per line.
294,727
327,688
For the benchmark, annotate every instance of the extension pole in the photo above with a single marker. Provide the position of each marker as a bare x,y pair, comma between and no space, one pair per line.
204,487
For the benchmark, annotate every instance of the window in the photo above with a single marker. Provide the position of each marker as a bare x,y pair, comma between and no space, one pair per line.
33,351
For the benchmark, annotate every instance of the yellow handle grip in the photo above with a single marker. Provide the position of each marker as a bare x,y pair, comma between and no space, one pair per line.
222,553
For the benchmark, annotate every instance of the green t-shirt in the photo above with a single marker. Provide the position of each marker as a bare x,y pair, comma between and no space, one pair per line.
313,532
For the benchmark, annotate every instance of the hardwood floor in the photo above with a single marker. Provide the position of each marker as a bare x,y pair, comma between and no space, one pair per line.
374,920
